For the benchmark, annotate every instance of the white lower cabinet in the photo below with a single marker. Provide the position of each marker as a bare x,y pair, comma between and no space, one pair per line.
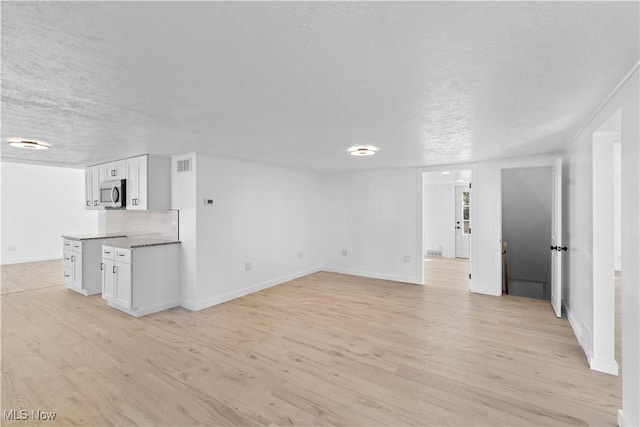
141,280
80,274
82,268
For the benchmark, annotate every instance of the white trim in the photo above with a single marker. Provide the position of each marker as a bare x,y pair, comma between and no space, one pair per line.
210,302
35,259
577,330
602,105
607,366
373,275
80,291
147,309
622,419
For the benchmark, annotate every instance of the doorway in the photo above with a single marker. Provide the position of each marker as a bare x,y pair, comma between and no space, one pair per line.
446,226
526,231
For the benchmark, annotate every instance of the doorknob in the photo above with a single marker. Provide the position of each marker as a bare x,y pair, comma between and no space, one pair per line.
554,248
560,249
458,227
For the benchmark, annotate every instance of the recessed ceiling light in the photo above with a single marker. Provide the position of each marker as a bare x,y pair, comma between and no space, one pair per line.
30,144
446,173
362,151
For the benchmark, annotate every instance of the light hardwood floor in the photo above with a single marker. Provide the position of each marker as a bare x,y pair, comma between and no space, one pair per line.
326,349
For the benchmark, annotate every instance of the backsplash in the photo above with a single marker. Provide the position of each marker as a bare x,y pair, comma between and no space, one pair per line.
159,224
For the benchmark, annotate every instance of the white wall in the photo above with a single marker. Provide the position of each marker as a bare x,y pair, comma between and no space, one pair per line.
577,204
526,222
39,204
261,215
376,217
439,218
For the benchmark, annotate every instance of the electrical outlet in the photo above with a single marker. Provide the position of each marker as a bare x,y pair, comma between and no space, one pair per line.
247,266
406,259
344,252
300,255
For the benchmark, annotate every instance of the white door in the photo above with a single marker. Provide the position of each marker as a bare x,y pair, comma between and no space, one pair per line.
122,285
88,188
76,277
95,186
137,183
556,238
108,279
463,226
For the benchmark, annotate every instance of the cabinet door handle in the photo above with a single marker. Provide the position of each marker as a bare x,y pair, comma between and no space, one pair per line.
73,258
102,266
95,203
66,275
88,204
107,252
115,269
120,254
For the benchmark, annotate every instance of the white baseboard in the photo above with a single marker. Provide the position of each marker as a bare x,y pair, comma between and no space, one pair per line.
210,302
36,259
147,309
577,330
607,366
583,335
373,275
622,419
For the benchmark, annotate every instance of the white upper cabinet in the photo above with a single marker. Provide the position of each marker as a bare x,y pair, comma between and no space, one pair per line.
137,170
95,187
88,189
148,182
92,187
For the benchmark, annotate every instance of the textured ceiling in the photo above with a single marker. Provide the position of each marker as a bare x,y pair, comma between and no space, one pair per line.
298,83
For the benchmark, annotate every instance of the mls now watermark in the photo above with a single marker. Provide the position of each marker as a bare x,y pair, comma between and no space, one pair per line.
24,415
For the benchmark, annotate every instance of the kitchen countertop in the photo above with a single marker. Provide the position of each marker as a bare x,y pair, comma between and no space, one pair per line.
94,236
139,242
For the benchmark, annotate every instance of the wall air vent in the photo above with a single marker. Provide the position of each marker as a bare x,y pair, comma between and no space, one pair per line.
184,165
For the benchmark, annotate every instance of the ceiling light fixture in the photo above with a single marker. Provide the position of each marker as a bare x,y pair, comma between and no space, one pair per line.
29,144
362,151
446,173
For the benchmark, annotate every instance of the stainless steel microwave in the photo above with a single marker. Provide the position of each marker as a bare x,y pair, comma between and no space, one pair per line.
113,194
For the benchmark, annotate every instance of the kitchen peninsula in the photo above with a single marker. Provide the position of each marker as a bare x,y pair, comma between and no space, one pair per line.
138,275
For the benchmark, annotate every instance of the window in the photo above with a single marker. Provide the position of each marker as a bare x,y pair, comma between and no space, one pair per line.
465,212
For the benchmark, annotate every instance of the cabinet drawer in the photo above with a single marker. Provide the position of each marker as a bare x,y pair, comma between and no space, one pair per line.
67,244
76,246
68,275
66,258
108,252
123,255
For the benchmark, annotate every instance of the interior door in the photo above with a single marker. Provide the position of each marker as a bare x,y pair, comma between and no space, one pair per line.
556,238
463,226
